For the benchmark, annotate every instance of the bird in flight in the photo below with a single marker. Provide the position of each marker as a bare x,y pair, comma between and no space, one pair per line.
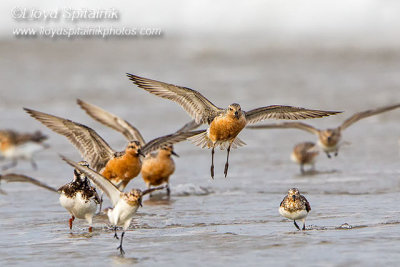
224,124
156,167
329,139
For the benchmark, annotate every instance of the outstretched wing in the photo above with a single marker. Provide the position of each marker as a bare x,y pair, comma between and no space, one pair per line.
294,125
191,125
12,177
112,121
285,113
198,107
91,146
361,115
105,185
168,140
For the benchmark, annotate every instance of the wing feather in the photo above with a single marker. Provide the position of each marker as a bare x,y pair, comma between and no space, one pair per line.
364,114
285,113
294,125
92,147
12,177
194,103
130,132
168,140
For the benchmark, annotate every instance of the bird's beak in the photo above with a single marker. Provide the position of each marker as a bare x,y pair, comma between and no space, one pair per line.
141,153
237,115
294,197
173,153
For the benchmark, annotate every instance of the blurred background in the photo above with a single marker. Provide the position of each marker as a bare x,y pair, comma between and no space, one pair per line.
333,55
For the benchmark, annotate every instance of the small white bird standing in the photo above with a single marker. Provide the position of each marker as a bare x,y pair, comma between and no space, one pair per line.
294,206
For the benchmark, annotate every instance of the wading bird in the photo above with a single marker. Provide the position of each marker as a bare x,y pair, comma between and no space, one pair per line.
125,205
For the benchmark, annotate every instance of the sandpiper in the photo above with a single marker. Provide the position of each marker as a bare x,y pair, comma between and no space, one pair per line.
15,146
225,124
295,207
305,154
330,139
125,205
156,167
118,167
78,197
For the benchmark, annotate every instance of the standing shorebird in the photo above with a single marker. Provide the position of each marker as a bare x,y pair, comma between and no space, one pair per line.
125,205
304,154
225,124
118,167
14,146
295,207
156,167
329,139
78,197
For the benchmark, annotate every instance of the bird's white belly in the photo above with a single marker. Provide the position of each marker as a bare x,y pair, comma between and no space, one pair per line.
79,207
328,148
121,214
296,215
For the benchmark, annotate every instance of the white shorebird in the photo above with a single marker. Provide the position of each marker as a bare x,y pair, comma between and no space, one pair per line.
125,205
294,206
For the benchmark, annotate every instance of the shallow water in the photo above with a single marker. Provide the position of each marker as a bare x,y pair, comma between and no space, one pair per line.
354,219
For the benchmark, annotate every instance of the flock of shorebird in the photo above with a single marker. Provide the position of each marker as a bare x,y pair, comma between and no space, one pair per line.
110,171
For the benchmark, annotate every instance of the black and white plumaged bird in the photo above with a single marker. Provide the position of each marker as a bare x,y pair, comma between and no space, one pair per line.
125,205
294,206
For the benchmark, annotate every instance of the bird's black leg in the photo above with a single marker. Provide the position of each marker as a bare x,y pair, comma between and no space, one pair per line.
120,244
101,202
115,232
328,155
304,226
34,165
336,153
227,159
295,224
212,163
302,168
168,191
12,164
